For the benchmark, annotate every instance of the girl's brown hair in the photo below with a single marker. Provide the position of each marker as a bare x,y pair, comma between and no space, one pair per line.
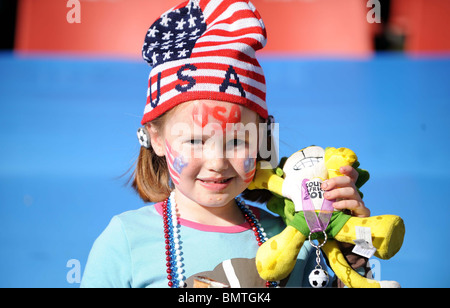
151,179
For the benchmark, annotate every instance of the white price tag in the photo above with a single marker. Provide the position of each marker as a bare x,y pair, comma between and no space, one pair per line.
363,242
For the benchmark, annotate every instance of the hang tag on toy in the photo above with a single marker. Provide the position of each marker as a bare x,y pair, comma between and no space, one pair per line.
313,201
315,193
312,191
363,242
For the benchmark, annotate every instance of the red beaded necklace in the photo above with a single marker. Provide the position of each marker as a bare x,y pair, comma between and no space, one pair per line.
172,240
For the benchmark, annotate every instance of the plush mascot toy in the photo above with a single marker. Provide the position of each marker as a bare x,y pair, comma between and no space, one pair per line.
298,199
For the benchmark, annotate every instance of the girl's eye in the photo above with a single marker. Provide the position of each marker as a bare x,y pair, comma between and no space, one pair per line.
237,142
196,141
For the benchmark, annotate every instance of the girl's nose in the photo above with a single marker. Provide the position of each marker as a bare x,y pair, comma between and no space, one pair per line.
217,164
214,157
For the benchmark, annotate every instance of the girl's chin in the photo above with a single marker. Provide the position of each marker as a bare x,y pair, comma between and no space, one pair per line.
214,199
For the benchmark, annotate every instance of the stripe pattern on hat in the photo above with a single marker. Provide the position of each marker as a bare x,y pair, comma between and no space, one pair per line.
205,50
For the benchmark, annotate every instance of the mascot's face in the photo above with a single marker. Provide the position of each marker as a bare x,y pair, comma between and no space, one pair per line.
307,163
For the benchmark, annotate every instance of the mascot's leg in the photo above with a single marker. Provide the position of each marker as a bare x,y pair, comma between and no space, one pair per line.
276,258
347,274
387,233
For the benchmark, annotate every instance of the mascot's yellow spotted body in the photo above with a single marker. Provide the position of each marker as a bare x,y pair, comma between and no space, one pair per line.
276,258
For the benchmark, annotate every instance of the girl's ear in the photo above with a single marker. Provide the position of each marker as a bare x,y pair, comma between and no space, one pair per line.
156,139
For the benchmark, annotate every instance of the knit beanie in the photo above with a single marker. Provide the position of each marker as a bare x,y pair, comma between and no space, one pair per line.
205,49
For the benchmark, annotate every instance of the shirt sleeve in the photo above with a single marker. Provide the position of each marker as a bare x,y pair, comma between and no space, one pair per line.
109,262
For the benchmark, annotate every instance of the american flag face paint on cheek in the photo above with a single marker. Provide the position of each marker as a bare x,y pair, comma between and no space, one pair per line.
175,162
249,169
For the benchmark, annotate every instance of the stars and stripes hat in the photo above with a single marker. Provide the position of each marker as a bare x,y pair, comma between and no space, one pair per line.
205,49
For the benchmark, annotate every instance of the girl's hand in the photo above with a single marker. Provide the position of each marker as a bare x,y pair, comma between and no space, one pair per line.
343,189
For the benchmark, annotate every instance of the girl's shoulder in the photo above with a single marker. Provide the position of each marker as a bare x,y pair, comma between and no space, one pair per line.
145,212
145,217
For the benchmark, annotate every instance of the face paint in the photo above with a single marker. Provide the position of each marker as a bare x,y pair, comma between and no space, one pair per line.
175,163
221,115
249,169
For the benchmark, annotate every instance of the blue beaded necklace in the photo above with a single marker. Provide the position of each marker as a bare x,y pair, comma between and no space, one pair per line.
172,240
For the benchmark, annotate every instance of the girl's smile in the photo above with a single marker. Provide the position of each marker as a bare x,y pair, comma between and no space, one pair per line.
215,184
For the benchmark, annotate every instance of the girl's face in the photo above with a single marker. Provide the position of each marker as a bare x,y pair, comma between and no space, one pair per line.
210,149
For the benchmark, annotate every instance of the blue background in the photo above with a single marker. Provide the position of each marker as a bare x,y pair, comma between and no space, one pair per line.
68,135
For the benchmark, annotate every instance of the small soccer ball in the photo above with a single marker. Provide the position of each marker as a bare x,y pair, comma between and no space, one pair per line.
143,137
318,278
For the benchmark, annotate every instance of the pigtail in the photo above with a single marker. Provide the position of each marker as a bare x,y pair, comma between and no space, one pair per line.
151,176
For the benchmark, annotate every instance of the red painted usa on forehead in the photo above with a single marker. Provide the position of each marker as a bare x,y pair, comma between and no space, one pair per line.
201,114
205,50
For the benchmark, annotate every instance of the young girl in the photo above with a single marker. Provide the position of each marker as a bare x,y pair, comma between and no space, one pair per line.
205,104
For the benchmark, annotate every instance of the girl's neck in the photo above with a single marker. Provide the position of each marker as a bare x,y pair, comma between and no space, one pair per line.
227,215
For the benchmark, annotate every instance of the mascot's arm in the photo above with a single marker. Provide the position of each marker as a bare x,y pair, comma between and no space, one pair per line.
267,178
348,275
336,158
343,270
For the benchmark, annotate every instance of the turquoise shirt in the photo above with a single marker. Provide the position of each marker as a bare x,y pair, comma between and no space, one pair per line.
131,251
